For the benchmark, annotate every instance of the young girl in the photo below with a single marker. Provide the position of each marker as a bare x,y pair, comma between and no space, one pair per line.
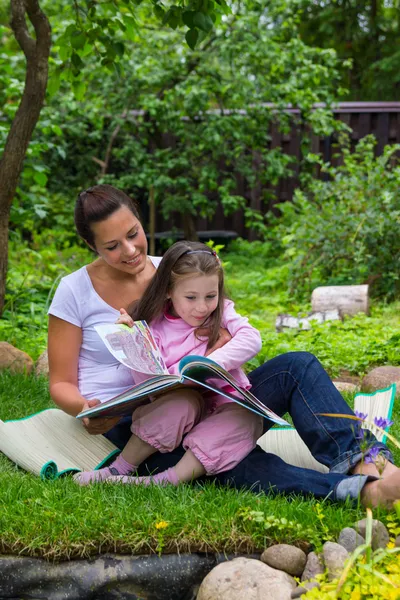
185,295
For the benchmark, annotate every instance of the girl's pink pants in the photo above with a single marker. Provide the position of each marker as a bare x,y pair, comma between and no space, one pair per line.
219,440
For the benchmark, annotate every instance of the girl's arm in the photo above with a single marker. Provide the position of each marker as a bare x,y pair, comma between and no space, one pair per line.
245,342
64,342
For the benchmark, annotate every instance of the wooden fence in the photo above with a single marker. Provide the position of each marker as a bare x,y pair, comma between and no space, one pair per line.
382,119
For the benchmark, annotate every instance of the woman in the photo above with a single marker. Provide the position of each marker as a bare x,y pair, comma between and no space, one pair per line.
83,372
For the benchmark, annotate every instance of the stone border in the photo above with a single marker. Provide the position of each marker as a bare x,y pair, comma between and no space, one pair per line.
107,577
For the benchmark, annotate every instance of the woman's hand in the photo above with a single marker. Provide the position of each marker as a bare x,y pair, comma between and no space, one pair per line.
97,425
223,338
124,318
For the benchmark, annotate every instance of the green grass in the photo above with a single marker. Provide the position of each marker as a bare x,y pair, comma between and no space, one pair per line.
59,520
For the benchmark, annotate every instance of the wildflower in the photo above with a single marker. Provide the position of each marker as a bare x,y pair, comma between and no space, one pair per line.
359,433
372,455
382,422
161,525
360,415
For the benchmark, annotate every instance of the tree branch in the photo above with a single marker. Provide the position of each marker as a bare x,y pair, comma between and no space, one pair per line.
20,29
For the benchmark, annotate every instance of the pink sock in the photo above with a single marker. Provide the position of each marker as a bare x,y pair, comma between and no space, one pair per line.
117,468
163,478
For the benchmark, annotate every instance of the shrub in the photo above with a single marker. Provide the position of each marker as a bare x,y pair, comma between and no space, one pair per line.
344,230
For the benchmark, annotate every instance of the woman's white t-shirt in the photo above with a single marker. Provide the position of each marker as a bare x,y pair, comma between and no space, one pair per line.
76,301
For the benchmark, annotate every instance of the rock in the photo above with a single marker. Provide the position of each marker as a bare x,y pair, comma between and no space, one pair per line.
344,386
335,557
14,359
246,578
313,567
380,535
347,299
287,558
303,589
42,365
350,539
381,377
111,577
283,322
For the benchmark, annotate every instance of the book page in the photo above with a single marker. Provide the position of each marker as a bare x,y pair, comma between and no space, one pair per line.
134,347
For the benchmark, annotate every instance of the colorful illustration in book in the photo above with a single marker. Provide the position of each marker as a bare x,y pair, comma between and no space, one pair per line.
134,347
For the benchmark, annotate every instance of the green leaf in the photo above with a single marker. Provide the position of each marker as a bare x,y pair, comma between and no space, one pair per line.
78,40
76,61
119,48
57,130
202,21
40,178
53,84
187,18
64,52
79,89
191,38
159,12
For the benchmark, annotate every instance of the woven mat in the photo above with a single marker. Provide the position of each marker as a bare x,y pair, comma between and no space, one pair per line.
52,443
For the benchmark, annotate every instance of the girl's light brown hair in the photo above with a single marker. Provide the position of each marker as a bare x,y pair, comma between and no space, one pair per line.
181,260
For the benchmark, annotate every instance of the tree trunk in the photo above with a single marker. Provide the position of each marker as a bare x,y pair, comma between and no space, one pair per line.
11,163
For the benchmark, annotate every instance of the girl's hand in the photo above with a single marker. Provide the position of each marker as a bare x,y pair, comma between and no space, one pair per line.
97,425
223,338
124,318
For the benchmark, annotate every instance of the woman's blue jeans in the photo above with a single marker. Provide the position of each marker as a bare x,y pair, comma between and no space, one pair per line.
293,383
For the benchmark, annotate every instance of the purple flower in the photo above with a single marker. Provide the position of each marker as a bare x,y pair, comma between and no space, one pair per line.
361,415
372,454
382,422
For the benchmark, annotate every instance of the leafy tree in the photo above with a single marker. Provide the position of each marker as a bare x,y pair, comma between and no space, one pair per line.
364,31
192,126
97,27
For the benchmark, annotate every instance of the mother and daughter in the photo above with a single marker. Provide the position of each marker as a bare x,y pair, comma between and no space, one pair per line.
183,300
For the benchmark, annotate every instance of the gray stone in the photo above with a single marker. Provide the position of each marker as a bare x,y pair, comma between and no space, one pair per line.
287,558
303,589
283,322
335,557
345,386
42,365
350,539
381,377
313,567
14,359
380,535
246,578
108,577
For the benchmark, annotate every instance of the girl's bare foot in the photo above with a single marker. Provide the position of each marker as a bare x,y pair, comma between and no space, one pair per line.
382,492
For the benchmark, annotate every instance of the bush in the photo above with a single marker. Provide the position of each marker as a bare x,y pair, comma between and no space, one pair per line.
344,230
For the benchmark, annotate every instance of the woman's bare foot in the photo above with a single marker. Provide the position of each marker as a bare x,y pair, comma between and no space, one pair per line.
382,492
383,469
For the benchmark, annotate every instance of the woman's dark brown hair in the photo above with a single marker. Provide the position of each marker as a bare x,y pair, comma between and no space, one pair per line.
182,260
96,204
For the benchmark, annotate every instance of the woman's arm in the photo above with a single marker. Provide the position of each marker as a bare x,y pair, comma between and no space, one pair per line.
245,342
64,342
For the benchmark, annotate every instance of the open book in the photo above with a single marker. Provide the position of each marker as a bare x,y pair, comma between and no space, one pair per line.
135,348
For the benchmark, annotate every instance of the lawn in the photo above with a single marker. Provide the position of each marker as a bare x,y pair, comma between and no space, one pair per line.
59,520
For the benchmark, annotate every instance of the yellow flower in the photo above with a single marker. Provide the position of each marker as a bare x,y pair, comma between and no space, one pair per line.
161,525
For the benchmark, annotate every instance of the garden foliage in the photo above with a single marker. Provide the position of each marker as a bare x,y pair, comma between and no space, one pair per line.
343,229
